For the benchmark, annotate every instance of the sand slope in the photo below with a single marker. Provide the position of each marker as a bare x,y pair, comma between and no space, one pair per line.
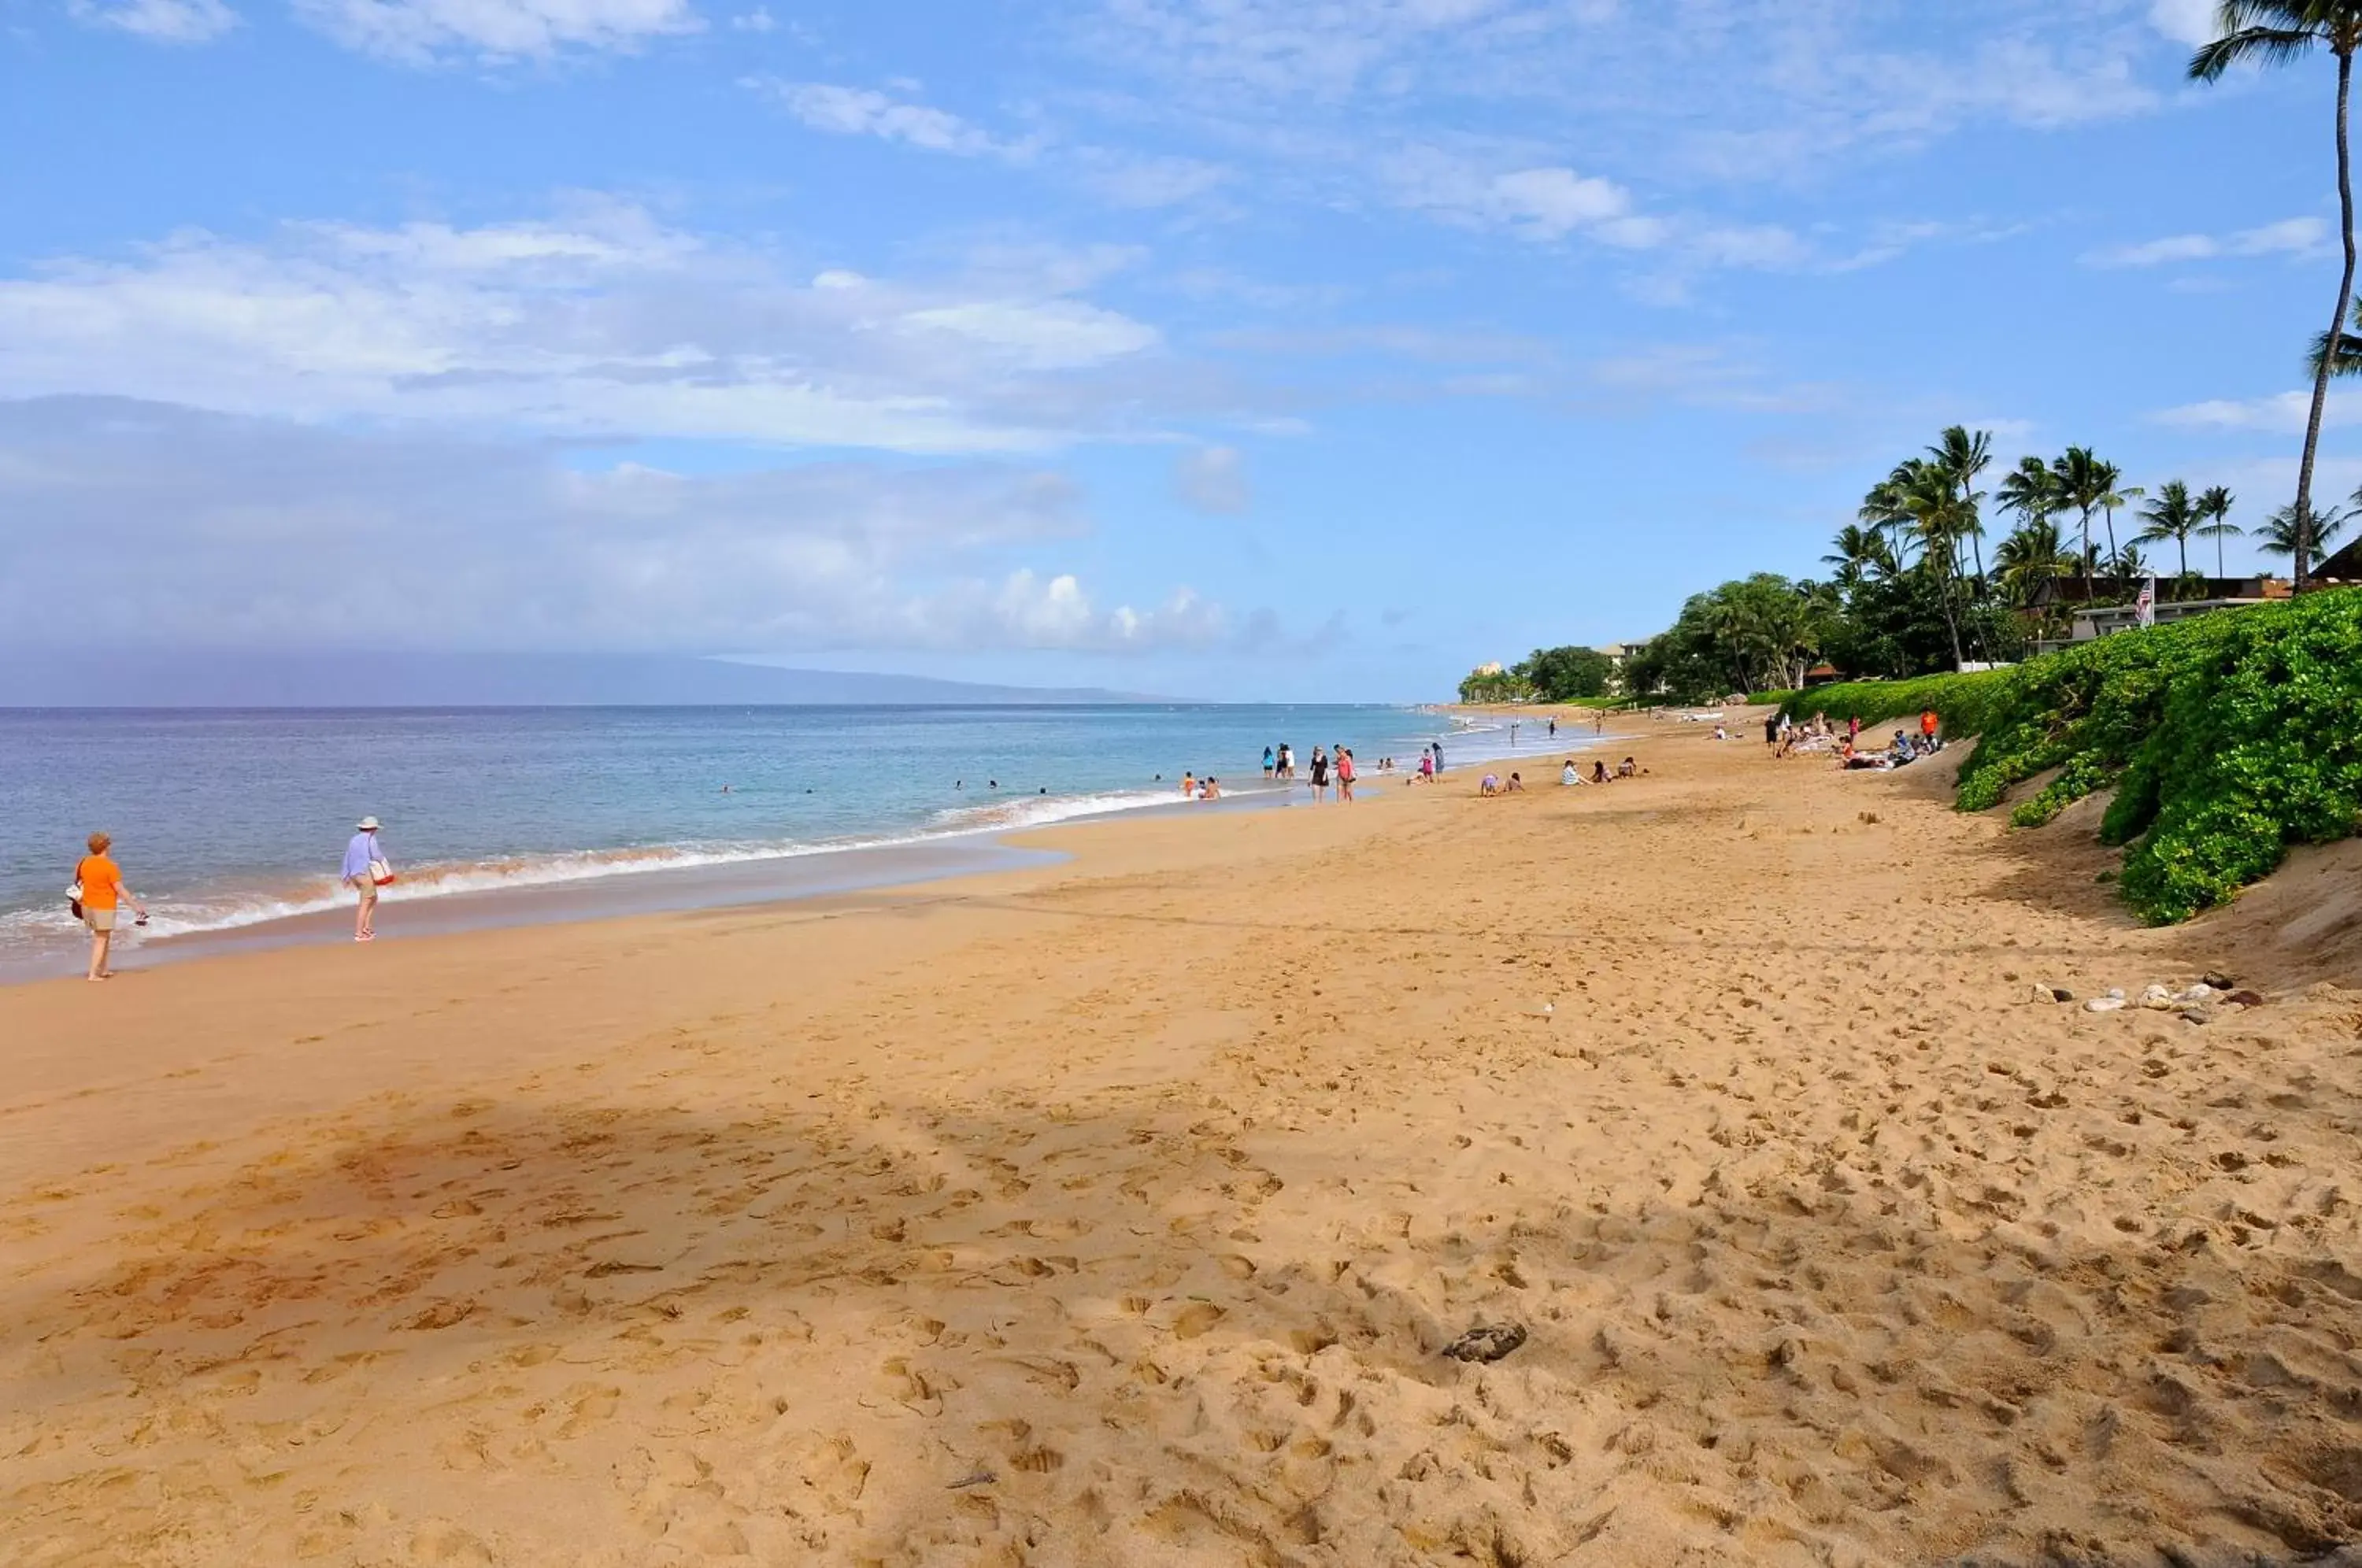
1119,1216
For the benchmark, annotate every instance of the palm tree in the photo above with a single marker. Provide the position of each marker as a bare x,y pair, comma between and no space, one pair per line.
2278,32
1860,554
2113,494
1919,504
2080,479
2030,490
1963,455
2282,536
2032,555
2215,503
2172,515
2349,349
1885,507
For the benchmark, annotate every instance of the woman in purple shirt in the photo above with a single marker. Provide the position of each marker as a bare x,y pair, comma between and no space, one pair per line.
363,855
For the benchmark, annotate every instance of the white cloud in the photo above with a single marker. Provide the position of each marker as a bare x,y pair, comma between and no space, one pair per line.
2285,413
1147,181
161,21
1033,611
860,110
604,323
1544,204
2192,22
418,32
1214,479
758,20
2290,236
261,533
1706,376
1052,335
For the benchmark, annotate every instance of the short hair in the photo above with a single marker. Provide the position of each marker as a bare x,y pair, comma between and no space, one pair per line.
98,843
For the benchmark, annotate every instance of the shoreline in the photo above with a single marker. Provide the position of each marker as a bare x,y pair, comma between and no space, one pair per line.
656,884
1124,1208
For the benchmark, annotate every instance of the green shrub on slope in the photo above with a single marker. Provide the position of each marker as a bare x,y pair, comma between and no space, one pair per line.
2229,737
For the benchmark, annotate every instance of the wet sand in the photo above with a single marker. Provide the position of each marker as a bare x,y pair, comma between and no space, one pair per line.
1119,1212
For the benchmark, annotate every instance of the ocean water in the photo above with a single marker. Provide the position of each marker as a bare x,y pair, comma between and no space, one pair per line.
230,819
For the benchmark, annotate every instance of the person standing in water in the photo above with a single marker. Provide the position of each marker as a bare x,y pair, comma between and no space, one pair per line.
1270,763
1319,774
363,856
1344,774
100,890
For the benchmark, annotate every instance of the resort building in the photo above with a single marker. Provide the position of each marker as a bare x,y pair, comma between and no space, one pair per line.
2198,596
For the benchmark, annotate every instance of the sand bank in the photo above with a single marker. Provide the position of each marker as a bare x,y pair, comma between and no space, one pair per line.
1117,1212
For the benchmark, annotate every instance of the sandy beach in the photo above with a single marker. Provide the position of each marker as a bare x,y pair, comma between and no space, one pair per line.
1121,1211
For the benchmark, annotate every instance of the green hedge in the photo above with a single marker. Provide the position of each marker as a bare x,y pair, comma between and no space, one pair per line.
2228,737
1962,702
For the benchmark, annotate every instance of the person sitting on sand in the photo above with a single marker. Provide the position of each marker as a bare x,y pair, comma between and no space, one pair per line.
1211,790
1515,786
1427,767
1599,771
1628,768
1570,774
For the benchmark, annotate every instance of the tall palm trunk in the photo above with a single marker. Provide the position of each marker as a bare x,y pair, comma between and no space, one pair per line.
2087,554
2344,293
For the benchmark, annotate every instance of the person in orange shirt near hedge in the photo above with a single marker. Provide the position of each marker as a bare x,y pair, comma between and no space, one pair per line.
103,893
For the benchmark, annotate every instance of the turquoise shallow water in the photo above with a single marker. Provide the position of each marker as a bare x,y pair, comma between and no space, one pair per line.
227,819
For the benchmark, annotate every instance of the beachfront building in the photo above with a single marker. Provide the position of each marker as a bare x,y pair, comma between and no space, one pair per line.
1616,653
2197,596
2343,570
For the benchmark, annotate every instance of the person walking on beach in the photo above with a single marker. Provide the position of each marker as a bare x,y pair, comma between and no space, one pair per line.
364,863
1437,747
1344,774
1319,774
99,889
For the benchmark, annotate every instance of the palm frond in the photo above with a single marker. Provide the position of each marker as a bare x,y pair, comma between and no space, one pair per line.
2261,46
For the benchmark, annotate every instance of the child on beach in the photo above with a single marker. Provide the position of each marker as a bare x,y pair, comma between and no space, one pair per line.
1344,774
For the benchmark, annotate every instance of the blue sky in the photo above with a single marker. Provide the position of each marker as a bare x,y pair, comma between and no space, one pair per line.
1303,349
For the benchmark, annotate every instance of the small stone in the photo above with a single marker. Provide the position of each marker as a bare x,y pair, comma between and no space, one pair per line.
2156,997
2103,1004
2198,1015
1486,1342
2042,993
2220,981
2062,994
2201,992
2247,998
2115,991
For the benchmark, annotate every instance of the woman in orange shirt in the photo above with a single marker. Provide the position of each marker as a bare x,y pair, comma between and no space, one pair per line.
103,893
